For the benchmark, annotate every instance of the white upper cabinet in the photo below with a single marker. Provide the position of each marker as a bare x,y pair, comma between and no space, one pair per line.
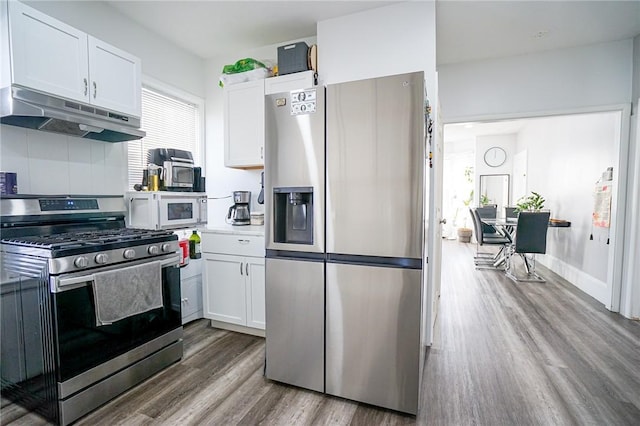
244,124
115,78
53,57
244,116
47,55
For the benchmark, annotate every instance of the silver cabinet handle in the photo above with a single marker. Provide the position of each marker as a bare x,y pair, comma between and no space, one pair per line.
241,269
243,241
86,86
262,153
247,269
95,89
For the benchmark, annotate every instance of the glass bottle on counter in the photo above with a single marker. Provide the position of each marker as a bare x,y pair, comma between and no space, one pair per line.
194,246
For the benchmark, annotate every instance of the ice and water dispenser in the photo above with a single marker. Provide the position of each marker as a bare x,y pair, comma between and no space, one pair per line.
293,215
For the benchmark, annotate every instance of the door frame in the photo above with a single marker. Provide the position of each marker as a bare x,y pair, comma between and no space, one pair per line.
618,199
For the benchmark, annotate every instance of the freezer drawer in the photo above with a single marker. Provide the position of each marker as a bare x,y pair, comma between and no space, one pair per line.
295,322
373,335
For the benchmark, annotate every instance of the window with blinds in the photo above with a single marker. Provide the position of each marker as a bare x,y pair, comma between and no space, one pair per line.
170,122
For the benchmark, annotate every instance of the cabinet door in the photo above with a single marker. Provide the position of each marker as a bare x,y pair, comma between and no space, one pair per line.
115,78
255,292
244,124
225,293
48,55
191,298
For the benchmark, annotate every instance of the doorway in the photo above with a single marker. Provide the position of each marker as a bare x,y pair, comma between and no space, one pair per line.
564,158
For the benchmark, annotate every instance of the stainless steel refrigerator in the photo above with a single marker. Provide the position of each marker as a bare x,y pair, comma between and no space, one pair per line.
344,300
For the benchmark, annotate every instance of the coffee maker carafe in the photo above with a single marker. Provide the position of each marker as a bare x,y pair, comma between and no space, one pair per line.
239,213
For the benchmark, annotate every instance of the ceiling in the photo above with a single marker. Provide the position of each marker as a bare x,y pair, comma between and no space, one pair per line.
466,30
474,30
210,28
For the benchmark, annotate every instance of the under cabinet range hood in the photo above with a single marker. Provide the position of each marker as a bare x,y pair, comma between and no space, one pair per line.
28,108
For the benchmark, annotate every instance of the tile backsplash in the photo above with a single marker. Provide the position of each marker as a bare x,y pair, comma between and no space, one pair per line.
48,163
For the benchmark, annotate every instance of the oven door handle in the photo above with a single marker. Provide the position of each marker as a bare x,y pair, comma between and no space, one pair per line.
69,283
66,282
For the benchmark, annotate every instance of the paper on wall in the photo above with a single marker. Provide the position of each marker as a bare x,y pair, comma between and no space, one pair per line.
602,207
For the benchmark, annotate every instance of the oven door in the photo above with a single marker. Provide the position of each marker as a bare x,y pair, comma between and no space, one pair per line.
87,352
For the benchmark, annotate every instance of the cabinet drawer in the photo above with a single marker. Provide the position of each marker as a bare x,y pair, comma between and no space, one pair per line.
240,245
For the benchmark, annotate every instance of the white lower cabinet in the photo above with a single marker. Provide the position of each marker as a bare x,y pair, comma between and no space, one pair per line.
191,291
234,290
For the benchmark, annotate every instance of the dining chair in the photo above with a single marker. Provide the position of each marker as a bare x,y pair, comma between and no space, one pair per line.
488,211
510,212
487,260
530,239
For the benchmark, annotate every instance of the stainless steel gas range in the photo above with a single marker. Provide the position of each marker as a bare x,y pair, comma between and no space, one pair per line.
89,308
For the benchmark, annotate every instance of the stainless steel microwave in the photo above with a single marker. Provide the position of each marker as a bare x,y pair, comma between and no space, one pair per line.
166,210
177,175
177,168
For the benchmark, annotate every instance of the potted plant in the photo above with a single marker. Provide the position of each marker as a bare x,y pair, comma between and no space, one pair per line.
532,202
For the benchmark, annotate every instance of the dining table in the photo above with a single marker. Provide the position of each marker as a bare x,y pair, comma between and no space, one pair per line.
508,225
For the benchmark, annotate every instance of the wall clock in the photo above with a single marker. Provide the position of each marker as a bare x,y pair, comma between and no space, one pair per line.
495,156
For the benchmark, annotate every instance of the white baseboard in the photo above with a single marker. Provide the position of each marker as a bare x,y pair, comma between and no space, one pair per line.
237,328
585,282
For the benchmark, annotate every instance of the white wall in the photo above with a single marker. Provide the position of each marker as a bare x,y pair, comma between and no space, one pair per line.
385,41
47,163
557,80
566,156
506,142
221,180
630,305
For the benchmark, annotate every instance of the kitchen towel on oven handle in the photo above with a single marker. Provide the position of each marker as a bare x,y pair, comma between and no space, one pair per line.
125,292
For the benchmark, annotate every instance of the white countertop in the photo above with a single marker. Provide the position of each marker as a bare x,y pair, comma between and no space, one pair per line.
234,230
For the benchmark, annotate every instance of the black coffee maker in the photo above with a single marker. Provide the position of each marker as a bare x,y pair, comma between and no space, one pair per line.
239,213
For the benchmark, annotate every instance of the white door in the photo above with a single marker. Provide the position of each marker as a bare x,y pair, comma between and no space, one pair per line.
519,176
47,54
244,124
255,276
115,78
225,293
435,222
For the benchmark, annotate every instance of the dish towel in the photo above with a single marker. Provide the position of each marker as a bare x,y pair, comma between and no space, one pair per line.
125,292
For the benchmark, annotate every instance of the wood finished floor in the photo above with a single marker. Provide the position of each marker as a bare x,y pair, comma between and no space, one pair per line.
504,354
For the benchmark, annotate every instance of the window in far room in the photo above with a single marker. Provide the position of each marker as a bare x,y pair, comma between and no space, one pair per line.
171,119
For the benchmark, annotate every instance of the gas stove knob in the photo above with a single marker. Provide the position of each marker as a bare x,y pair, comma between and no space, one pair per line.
129,254
153,250
102,258
166,247
81,262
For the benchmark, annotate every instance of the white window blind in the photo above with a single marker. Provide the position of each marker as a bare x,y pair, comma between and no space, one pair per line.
170,123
